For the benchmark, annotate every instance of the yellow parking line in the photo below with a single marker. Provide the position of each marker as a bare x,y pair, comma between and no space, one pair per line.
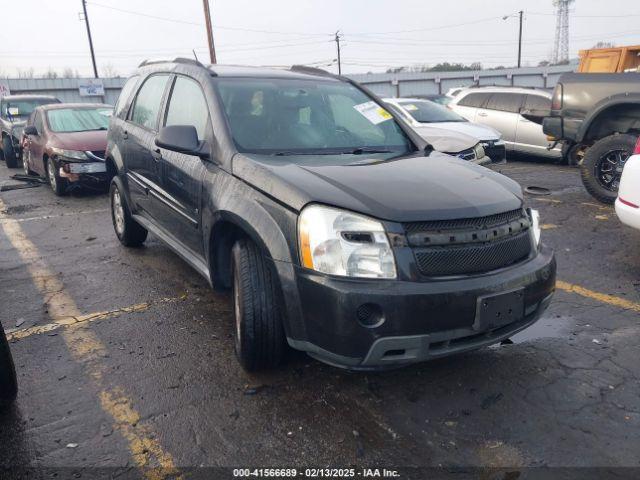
600,297
86,348
69,321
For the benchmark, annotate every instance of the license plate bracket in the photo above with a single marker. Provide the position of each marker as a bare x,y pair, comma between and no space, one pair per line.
89,167
498,310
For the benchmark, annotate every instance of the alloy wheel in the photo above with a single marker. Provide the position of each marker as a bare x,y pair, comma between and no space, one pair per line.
51,170
118,212
608,170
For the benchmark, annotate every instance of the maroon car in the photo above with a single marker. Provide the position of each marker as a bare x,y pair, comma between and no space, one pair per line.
66,142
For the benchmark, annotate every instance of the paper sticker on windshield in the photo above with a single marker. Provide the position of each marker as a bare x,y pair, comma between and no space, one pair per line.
14,111
373,112
410,107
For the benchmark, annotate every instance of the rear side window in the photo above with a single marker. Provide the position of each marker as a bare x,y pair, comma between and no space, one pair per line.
505,102
474,100
148,102
536,102
125,95
188,106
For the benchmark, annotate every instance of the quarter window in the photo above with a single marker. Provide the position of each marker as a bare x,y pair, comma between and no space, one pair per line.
123,98
188,106
147,106
474,100
505,102
537,102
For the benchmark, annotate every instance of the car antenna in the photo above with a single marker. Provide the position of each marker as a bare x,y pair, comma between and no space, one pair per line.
194,54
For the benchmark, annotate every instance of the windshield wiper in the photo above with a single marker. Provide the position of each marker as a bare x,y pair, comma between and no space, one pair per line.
361,150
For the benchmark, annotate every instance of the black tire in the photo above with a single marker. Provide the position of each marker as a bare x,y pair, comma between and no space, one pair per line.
58,184
606,155
8,382
9,152
129,232
575,155
259,335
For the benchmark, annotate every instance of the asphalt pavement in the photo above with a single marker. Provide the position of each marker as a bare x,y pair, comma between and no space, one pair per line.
125,360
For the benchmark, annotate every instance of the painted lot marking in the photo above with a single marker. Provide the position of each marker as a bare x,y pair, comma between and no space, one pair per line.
600,297
47,217
86,348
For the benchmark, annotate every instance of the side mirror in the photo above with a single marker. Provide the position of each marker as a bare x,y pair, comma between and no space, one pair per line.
31,130
181,139
535,116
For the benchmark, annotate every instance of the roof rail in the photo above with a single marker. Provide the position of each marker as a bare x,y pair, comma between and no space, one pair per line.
184,60
311,70
502,86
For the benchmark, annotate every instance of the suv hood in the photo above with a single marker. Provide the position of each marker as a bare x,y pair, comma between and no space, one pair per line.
410,188
446,140
92,140
476,130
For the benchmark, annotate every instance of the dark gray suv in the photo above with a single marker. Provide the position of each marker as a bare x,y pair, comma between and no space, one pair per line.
338,229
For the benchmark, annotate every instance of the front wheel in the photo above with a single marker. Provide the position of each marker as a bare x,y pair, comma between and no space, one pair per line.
129,232
9,152
58,184
259,336
603,163
8,382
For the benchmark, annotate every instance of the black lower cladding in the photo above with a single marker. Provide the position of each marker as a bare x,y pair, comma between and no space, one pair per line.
332,313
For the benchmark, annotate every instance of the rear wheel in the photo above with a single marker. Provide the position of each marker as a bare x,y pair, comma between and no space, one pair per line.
58,184
603,163
8,382
129,232
259,336
9,152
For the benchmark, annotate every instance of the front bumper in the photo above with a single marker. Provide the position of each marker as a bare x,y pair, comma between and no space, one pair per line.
417,320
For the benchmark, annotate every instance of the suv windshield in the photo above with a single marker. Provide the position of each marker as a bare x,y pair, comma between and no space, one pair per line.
20,109
65,120
424,111
289,116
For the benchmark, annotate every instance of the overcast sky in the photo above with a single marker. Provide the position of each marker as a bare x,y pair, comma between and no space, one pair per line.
376,34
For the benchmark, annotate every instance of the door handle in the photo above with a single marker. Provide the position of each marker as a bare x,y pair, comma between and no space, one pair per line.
482,114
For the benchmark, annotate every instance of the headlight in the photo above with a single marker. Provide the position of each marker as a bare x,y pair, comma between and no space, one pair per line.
499,142
343,243
478,150
534,215
75,154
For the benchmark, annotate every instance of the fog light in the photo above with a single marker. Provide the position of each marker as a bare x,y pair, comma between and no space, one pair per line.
370,315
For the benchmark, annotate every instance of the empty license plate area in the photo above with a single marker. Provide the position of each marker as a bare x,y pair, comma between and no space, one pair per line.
94,167
494,311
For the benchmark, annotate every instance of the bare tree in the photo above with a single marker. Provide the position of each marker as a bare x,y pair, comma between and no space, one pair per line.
25,73
50,73
110,71
70,73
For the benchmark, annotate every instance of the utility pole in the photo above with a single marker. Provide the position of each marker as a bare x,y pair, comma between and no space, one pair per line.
520,41
207,19
338,45
93,55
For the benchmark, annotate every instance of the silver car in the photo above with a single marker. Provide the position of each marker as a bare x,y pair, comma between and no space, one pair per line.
502,108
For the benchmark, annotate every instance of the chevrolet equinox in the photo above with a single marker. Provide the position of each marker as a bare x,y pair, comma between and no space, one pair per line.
339,231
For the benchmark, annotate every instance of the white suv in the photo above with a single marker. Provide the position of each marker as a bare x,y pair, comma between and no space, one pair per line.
502,108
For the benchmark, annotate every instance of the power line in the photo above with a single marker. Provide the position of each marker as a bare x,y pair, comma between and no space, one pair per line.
188,22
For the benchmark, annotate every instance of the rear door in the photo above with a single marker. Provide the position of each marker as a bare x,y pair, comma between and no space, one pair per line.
469,104
142,156
502,111
529,135
182,175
